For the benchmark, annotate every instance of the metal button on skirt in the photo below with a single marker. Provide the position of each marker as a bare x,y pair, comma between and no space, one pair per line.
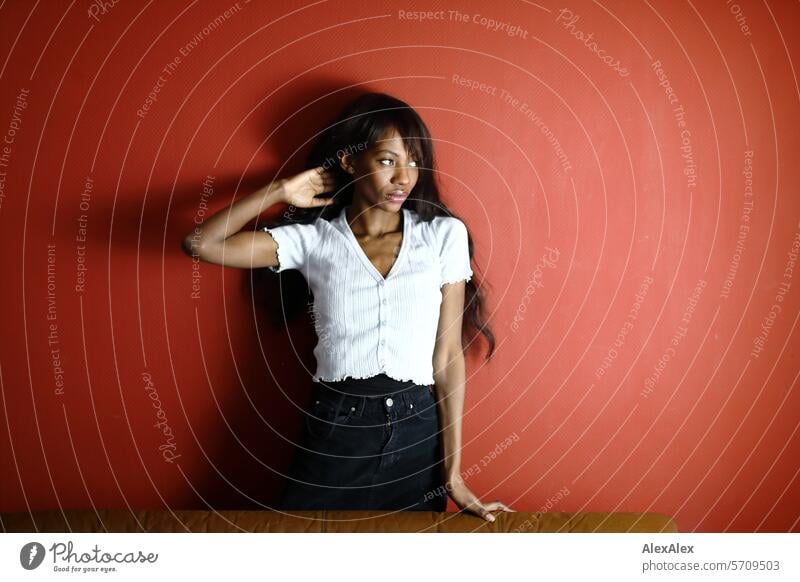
370,443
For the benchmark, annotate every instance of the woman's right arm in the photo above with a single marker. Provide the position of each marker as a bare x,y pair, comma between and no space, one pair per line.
218,239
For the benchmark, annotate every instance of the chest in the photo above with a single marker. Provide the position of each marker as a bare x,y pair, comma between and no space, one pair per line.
344,279
382,252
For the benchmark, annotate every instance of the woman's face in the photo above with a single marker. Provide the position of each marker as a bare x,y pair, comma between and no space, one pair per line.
385,174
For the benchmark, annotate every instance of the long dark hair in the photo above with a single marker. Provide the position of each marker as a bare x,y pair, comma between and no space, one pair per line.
358,127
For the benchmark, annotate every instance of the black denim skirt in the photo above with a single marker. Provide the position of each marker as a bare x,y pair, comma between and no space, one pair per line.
370,443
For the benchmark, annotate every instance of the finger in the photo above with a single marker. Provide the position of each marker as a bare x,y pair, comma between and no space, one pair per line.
482,510
319,174
326,174
311,174
323,201
324,186
495,505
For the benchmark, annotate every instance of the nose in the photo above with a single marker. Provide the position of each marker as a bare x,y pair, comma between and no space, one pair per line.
401,175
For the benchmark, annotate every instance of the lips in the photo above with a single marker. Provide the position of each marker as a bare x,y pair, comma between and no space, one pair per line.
398,195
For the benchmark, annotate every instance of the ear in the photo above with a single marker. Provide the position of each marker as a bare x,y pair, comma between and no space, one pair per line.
346,163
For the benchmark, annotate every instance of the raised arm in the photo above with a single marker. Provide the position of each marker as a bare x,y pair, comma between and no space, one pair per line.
218,239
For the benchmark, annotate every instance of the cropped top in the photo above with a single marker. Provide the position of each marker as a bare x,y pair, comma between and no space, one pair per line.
367,324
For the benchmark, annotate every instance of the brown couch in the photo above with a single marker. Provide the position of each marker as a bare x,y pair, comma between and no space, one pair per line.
161,520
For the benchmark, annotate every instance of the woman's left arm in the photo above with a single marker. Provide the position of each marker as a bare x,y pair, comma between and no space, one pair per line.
449,377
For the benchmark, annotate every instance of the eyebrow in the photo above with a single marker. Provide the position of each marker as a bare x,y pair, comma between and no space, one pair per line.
389,152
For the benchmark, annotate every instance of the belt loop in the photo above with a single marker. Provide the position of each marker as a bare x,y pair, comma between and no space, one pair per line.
362,404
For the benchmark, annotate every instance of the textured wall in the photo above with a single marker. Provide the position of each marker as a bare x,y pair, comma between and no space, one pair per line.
627,172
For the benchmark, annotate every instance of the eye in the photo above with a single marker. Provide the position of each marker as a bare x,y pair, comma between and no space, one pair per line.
412,163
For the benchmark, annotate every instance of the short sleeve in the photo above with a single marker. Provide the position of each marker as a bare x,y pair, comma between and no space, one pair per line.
453,251
295,244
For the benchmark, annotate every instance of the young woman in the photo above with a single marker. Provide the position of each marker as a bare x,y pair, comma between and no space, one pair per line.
389,268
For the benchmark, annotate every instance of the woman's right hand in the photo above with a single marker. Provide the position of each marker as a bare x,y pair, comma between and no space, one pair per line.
301,190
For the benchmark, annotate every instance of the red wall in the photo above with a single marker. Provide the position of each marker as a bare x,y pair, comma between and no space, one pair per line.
633,254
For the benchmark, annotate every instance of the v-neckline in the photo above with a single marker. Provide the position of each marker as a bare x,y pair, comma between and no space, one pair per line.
363,256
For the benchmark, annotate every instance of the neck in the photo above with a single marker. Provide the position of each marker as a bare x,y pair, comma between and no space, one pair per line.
372,221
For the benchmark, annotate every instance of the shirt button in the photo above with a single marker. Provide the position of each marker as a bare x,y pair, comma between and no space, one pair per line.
389,402
382,283
383,342
384,301
383,322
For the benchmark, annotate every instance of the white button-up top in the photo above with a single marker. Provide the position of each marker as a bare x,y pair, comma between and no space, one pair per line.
365,324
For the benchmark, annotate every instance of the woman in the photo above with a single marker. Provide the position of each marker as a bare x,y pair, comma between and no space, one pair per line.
389,268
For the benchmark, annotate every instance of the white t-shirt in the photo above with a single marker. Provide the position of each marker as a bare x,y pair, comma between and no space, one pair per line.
365,324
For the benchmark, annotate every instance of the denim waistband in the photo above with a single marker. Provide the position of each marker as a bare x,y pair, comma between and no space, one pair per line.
378,385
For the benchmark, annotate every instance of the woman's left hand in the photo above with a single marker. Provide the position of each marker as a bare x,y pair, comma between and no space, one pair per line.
468,501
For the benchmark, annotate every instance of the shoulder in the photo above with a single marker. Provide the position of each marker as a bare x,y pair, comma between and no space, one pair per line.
447,223
306,230
297,241
447,228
